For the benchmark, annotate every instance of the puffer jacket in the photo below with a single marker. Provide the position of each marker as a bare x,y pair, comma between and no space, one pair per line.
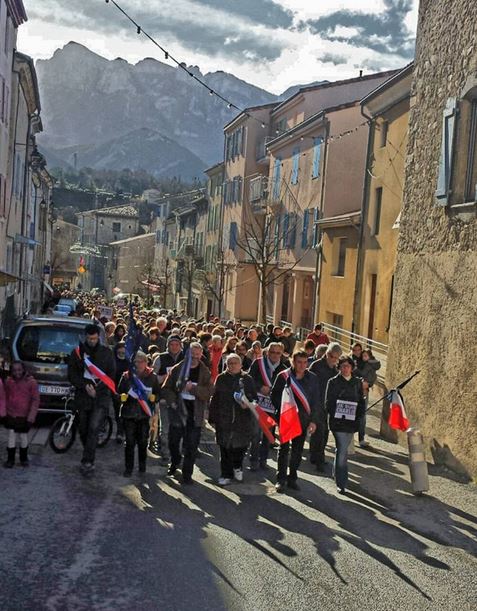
346,390
368,371
22,398
234,425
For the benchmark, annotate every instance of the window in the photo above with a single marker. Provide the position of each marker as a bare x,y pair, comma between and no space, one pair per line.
277,235
340,256
116,227
316,229
233,236
378,198
296,166
336,320
470,190
384,127
48,344
316,157
447,150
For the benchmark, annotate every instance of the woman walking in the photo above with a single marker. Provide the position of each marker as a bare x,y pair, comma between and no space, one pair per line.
344,403
234,426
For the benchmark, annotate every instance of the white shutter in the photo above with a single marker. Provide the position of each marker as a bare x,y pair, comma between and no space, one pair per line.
447,152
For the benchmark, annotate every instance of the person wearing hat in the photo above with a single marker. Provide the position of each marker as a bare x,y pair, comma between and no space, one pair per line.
135,417
163,363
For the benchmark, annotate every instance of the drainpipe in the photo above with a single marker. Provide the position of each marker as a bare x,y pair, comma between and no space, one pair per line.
26,174
364,211
319,248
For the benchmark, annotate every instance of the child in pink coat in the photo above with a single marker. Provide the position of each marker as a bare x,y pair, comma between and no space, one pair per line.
19,407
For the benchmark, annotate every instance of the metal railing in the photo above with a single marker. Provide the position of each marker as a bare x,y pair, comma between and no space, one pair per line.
346,339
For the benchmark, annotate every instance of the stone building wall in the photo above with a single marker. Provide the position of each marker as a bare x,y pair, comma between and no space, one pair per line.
434,316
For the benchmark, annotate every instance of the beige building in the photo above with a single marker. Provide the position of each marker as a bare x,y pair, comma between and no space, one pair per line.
99,228
213,276
388,107
132,266
64,264
433,322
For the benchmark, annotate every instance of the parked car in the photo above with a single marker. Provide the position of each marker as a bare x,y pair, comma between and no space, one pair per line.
70,302
61,310
44,344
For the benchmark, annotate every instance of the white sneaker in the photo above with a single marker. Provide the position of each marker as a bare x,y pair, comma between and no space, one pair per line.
238,475
224,481
364,444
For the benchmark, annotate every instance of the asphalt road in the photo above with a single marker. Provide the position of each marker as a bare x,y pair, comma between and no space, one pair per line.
69,543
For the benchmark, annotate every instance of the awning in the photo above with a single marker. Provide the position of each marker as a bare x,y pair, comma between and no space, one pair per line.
6,278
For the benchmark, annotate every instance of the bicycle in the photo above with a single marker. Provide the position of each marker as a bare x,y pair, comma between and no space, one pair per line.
62,434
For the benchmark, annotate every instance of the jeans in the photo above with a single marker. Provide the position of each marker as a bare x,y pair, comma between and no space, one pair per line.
259,447
340,468
91,419
137,433
290,466
318,442
230,459
190,437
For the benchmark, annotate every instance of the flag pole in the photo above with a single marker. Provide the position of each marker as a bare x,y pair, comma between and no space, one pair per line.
398,387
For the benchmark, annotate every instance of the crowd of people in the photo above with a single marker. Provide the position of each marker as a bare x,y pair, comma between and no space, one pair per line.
184,374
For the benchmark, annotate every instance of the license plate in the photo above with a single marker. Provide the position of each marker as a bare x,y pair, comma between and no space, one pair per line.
52,390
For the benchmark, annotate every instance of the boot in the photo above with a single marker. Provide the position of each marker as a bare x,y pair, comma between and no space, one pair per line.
24,457
128,460
10,462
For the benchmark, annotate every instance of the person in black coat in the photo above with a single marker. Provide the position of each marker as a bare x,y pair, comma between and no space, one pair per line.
234,426
122,365
135,419
308,414
345,405
92,397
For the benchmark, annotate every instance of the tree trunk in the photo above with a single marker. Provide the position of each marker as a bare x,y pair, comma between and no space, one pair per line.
263,289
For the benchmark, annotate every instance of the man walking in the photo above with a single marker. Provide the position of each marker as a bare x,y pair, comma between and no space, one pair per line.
187,390
91,370
303,385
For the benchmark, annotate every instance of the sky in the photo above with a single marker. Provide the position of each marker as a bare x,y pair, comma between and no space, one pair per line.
273,44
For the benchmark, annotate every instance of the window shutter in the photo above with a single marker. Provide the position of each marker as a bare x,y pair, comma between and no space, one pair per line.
304,233
286,226
242,147
276,178
317,157
277,235
296,166
292,231
233,236
447,150
316,217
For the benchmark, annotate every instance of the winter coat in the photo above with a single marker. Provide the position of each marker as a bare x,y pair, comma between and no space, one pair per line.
202,392
22,398
3,401
215,358
309,385
234,425
368,371
102,357
130,409
324,373
346,390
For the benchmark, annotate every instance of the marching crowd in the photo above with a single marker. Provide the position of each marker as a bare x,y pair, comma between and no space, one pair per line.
167,376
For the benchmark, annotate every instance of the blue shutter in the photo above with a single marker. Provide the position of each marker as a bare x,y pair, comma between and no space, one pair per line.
292,231
277,234
296,166
304,233
286,225
447,146
317,157
277,168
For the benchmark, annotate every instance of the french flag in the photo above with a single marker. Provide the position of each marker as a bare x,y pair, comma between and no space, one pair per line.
265,421
290,425
397,414
139,392
96,372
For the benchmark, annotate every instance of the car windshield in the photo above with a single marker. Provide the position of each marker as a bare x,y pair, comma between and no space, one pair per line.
48,344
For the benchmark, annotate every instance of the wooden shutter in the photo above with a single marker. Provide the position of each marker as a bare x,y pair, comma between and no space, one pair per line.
317,157
304,233
296,166
447,151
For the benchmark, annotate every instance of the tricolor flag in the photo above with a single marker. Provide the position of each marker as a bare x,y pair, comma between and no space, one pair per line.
397,414
96,372
139,392
290,425
265,421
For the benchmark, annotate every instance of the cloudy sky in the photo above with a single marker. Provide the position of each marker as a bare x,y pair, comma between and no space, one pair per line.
271,43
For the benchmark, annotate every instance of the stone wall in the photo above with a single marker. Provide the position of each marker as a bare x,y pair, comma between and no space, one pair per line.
434,316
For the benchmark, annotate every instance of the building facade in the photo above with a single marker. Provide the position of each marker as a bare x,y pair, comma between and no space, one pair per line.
435,288
132,267
65,265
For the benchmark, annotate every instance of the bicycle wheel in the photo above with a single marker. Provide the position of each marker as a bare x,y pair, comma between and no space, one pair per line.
105,432
62,436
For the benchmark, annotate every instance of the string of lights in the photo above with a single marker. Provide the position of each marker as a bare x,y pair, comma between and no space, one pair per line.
168,56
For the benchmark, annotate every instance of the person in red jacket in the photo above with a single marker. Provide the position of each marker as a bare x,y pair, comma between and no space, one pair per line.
318,336
20,408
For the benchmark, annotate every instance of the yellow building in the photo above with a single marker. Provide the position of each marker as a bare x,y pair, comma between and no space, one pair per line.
388,107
